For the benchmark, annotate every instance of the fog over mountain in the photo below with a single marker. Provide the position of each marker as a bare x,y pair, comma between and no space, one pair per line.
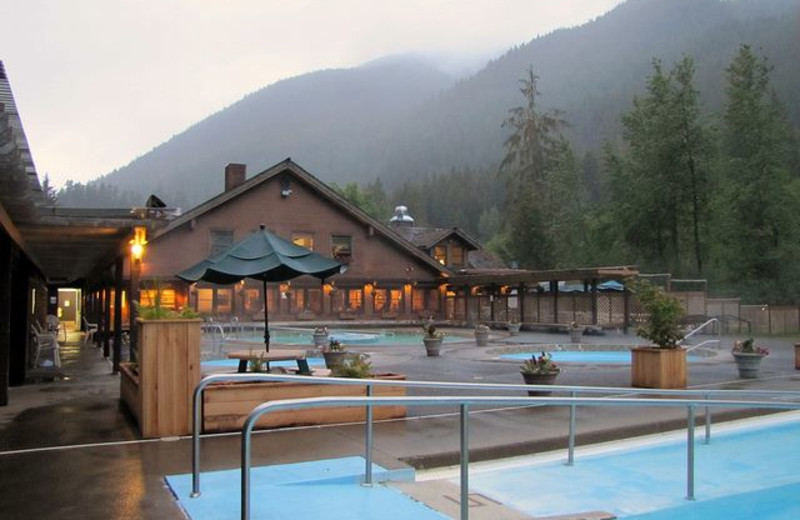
401,117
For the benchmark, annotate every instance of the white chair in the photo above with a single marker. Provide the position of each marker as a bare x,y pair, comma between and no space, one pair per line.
91,328
45,343
54,325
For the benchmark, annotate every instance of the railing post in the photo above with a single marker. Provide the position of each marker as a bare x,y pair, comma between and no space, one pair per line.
368,440
464,502
196,400
248,427
707,423
571,448
690,454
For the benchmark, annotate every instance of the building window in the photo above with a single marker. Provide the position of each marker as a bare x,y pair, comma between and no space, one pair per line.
224,301
417,300
303,240
205,300
220,240
440,254
379,298
354,300
396,300
342,248
147,298
252,301
456,255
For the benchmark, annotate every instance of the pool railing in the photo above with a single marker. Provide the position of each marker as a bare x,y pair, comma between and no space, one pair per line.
703,399
464,403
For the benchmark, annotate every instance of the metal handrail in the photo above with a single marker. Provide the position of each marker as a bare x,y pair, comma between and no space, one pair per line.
464,403
197,400
703,344
701,327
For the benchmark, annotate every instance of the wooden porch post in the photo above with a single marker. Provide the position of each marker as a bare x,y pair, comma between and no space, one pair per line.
5,315
119,264
107,320
554,292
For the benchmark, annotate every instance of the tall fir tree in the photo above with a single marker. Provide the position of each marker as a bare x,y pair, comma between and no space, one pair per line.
759,208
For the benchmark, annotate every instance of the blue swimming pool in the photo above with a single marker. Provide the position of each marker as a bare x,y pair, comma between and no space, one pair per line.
608,357
743,474
303,337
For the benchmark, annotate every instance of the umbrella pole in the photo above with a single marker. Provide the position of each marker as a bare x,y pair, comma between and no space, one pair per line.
266,317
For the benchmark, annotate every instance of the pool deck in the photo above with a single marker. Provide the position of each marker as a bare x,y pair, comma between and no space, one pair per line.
67,450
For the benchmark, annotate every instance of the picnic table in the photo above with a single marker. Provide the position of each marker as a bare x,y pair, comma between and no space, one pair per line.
245,356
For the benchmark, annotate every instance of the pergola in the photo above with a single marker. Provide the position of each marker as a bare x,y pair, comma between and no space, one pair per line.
505,281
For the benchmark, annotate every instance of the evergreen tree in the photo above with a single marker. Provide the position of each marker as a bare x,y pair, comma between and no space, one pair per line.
759,208
541,183
49,191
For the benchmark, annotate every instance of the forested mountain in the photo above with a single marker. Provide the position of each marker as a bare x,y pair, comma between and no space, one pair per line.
400,118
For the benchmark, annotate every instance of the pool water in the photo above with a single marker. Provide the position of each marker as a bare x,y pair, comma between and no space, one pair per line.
610,357
304,337
742,474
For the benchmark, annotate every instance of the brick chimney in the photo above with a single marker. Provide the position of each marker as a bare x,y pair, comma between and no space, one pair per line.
234,175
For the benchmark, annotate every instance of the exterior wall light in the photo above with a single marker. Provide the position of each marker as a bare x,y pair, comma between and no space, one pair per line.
138,242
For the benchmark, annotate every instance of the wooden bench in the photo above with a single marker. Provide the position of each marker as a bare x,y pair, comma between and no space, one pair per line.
245,356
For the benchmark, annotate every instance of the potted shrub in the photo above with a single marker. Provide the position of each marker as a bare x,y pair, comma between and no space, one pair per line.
513,327
662,365
575,332
356,367
432,340
748,358
320,335
539,370
481,335
334,354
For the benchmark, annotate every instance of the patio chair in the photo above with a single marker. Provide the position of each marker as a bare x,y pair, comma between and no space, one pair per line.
54,326
91,328
45,343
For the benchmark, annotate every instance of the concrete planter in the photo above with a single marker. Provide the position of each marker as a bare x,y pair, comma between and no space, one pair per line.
513,329
320,339
653,367
575,335
482,338
748,364
539,379
334,359
432,346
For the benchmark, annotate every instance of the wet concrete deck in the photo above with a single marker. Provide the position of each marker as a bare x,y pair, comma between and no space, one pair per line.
68,450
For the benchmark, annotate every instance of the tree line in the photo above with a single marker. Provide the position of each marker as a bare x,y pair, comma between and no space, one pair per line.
683,191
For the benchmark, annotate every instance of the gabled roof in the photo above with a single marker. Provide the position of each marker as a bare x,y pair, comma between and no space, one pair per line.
323,190
427,237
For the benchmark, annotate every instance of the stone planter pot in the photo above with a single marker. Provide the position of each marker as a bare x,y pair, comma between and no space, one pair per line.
539,379
432,346
575,335
334,359
748,364
653,367
320,339
482,337
513,329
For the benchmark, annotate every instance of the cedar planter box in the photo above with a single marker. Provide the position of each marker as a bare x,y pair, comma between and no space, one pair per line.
227,405
159,392
653,367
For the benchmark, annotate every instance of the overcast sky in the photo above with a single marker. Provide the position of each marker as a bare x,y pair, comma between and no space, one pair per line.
99,82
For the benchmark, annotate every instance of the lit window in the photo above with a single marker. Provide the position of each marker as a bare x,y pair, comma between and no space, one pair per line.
440,254
205,298
396,302
303,240
354,299
147,298
220,240
379,299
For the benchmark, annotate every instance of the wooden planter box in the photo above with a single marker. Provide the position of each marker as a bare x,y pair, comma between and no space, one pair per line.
653,367
159,393
227,405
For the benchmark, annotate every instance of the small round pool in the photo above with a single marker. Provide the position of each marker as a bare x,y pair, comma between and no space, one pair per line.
603,357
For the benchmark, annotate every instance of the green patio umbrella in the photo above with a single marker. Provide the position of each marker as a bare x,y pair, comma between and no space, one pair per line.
261,256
